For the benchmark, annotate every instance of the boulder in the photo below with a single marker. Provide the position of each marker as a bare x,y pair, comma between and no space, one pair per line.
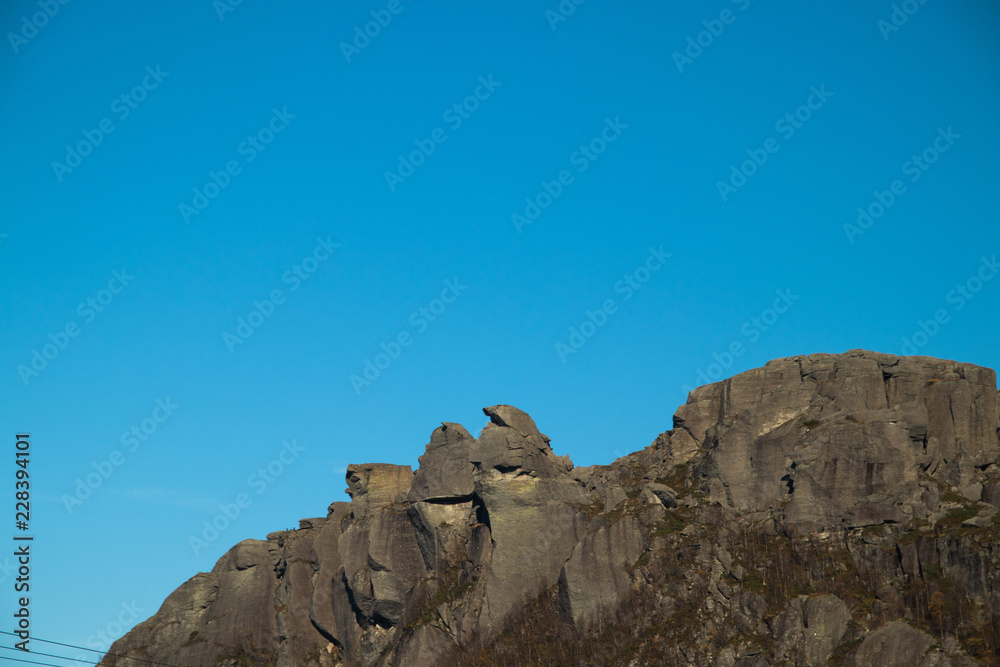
653,492
824,621
511,442
445,472
897,644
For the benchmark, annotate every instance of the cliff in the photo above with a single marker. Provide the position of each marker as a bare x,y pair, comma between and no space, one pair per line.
823,509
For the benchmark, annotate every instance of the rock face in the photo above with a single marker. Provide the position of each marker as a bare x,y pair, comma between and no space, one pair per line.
821,507
838,440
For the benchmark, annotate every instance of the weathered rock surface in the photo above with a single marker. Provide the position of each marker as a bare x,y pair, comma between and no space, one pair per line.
895,645
838,440
823,507
824,622
595,578
445,470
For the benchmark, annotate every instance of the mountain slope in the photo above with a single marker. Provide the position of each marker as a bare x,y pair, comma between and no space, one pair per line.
822,508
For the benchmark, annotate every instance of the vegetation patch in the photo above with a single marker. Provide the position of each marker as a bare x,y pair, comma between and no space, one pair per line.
676,480
450,589
956,516
250,651
672,523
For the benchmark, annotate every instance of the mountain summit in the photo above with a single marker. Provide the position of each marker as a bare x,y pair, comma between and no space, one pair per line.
823,509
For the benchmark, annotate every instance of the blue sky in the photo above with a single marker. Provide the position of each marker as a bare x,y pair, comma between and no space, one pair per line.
591,212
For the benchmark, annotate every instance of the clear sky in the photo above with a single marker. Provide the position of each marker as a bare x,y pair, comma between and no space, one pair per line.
215,215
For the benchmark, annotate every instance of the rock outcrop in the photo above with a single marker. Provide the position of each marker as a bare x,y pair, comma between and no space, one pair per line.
823,507
872,423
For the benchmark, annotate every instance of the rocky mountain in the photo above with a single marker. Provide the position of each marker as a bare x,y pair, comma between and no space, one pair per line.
823,509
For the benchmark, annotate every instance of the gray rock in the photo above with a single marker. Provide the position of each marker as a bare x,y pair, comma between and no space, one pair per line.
991,493
613,495
595,579
374,486
806,449
661,493
328,581
445,471
511,442
824,620
382,561
441,531
511,417
838,439
229,608
786,628
896,644
534,528
292,553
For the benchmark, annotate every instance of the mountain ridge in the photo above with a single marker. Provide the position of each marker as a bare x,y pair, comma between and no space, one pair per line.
880,469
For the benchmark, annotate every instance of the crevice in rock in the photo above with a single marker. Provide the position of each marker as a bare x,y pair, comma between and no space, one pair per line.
885,385
449,500
382,622
359,616
376,566
724,399
326,635
426,540
482,514
790,483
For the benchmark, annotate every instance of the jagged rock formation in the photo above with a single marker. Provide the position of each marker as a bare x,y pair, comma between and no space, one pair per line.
824,507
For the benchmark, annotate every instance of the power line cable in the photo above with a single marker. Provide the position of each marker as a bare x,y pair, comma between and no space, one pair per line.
48,655
113,655
46,641
31,662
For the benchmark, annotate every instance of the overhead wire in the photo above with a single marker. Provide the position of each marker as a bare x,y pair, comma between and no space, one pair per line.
81,648
47,655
